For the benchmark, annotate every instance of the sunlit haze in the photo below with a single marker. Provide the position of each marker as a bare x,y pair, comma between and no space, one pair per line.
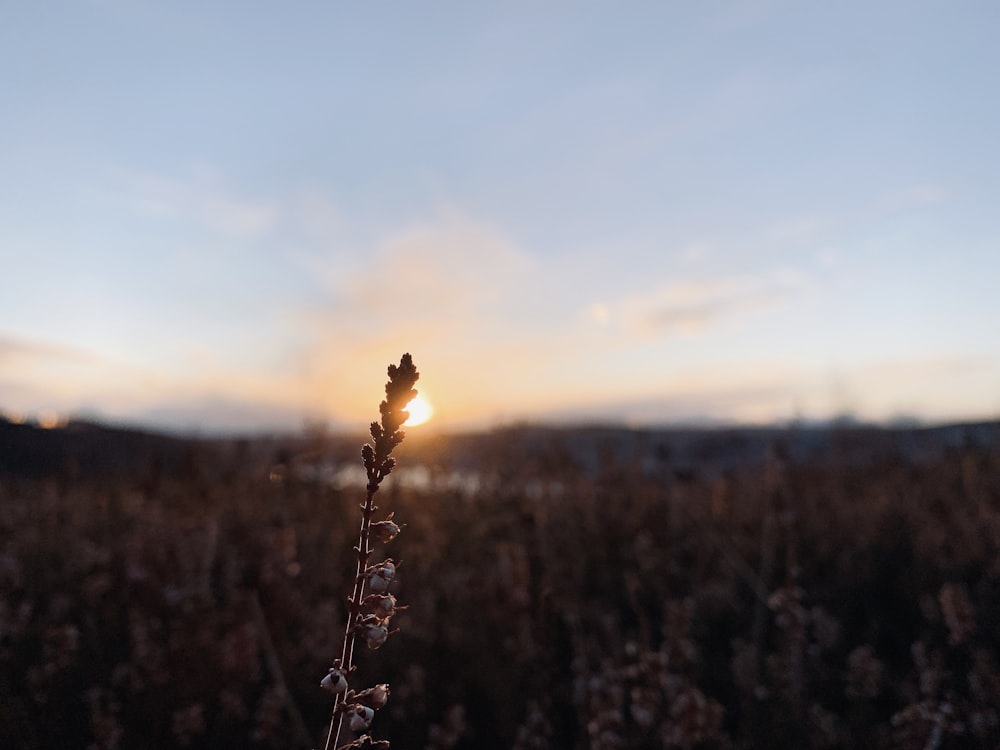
234,216
420,411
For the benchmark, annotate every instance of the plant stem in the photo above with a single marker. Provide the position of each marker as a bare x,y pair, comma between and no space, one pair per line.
354,614
379,463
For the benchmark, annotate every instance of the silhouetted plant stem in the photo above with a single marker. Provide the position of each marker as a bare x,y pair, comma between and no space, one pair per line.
378,462
354,612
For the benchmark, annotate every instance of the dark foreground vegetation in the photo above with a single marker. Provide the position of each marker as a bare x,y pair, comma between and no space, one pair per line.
567,589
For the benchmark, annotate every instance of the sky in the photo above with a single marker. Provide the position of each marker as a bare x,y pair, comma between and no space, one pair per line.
232,216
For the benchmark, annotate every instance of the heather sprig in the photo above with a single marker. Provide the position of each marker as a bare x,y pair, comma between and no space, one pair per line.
369,615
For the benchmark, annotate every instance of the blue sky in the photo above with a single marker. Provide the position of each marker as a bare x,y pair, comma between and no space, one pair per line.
234,215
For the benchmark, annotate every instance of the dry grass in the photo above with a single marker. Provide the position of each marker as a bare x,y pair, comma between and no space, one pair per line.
806,604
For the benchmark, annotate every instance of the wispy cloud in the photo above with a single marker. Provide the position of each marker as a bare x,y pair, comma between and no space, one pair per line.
204,198
936,385
18,351
690,307
38,376
447,290
436,272
917,195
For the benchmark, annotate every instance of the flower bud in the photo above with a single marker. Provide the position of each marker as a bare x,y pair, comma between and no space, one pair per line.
380,577
368,456
374,697
361,717
383,606
335,682
379,695
376,635
385,531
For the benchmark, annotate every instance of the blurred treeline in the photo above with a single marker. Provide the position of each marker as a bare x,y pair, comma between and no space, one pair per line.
161,593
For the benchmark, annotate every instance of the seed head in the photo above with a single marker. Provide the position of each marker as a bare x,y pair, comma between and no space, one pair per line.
386,435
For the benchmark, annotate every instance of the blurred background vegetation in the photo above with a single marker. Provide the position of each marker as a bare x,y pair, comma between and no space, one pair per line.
813,588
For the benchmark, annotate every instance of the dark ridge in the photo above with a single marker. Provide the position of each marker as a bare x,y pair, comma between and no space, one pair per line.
89,449
85,449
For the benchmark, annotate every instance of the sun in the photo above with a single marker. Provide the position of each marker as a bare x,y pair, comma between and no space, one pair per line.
420,411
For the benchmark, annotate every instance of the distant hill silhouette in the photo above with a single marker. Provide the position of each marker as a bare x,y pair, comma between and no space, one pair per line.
89,449
84,449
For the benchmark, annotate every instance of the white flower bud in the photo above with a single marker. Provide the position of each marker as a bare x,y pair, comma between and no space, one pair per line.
388,569
361,717
376,635
374,697
379,695
385,531
383,606
335,682
381,576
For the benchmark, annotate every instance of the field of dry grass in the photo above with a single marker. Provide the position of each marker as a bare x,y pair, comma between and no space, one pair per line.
192,594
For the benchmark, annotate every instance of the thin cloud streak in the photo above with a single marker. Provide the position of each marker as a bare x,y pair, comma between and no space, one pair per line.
203,199
447,291
689,308
15,351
